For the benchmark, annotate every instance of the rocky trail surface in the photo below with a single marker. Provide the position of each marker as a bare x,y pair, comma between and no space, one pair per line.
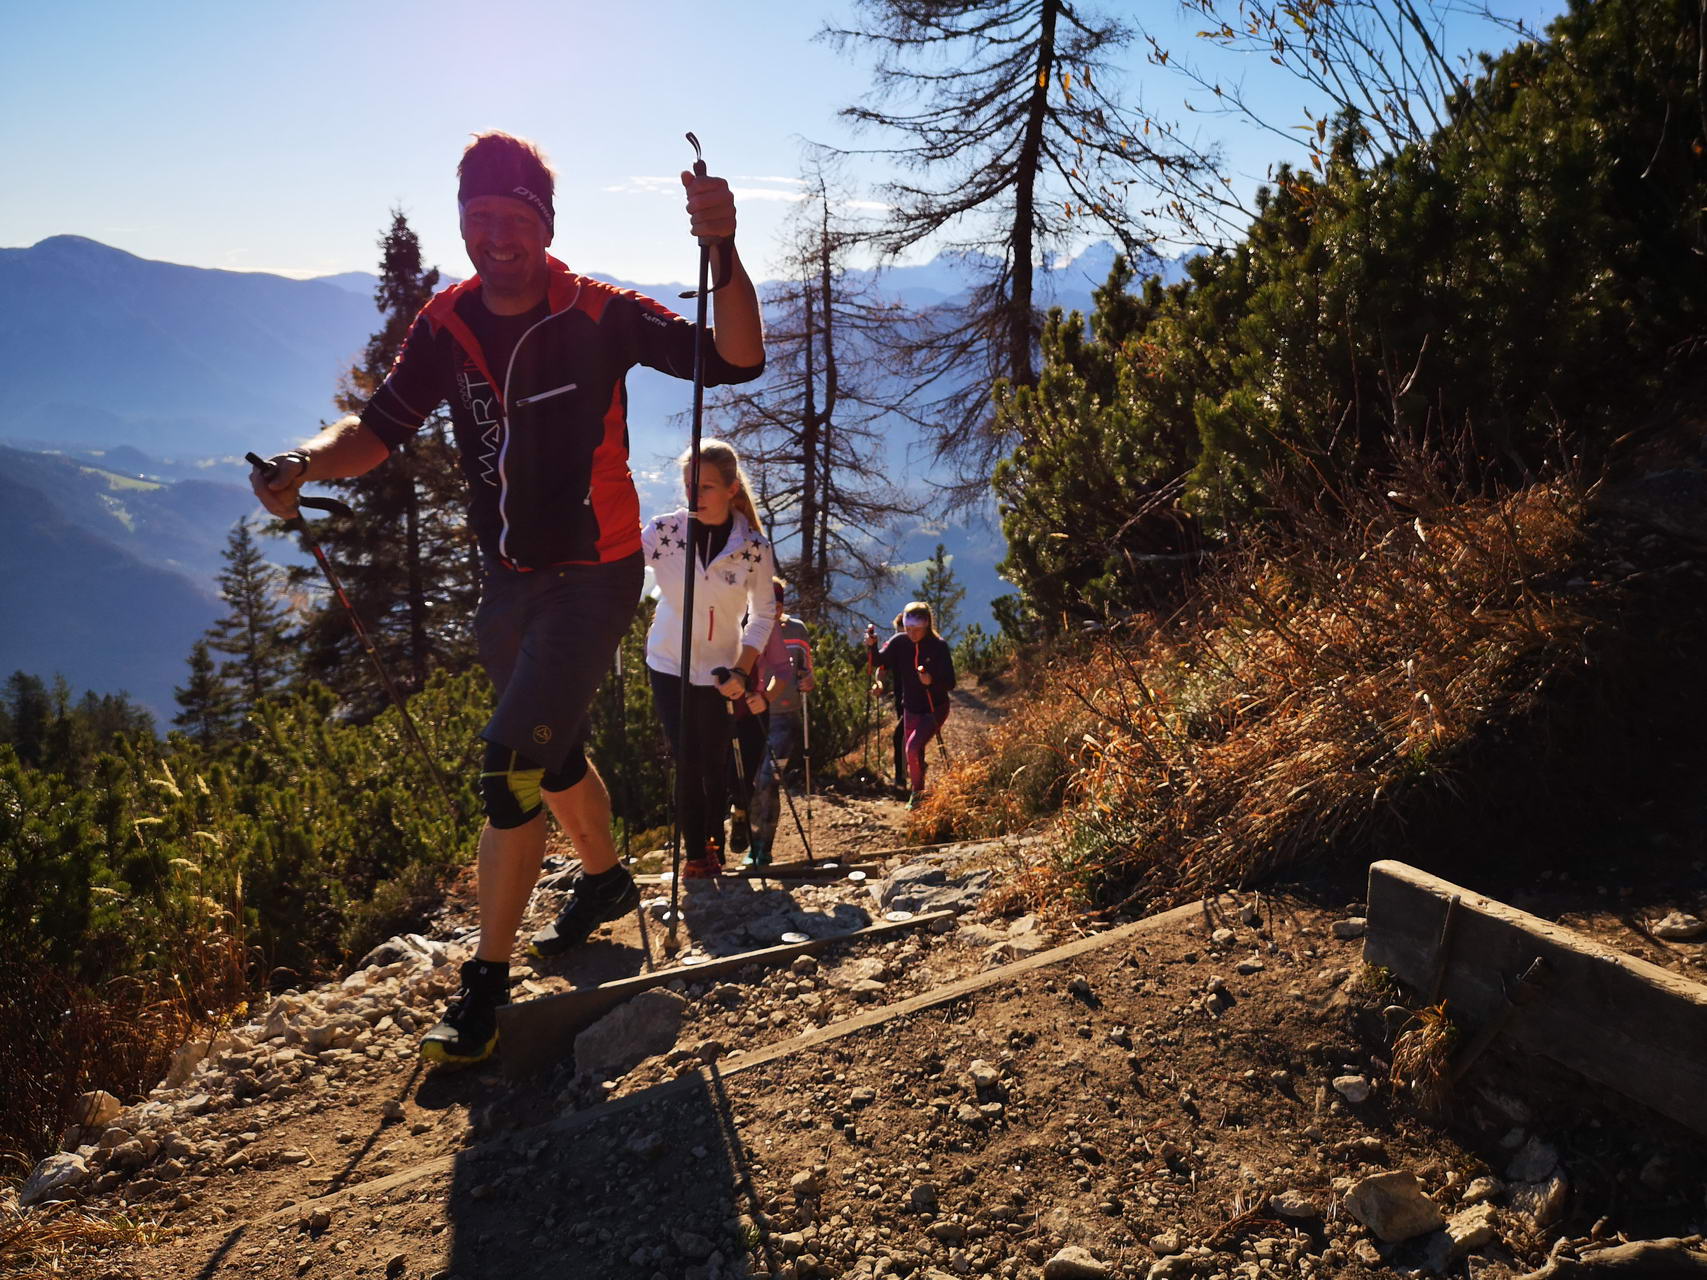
1203,1094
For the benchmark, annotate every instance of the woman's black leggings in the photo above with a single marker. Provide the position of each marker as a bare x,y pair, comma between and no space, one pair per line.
707,798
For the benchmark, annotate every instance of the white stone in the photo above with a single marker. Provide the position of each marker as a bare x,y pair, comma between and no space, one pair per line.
1393,1206
1679,926
96,1110
1481,1189
63,1169
1292,1203
641,1028
1353,1089
1348,929
1075,1263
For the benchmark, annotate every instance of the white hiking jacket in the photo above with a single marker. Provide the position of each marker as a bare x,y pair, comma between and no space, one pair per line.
736,584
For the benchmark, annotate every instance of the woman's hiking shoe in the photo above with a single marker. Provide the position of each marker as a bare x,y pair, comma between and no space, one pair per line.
702,868
594,900
758,855
468,1033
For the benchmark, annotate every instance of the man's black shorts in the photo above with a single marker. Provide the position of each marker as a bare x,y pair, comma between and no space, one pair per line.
547,638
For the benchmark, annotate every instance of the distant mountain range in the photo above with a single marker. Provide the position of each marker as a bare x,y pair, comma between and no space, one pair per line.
130,389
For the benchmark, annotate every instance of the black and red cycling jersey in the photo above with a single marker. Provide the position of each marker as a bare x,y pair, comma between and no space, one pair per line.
543,441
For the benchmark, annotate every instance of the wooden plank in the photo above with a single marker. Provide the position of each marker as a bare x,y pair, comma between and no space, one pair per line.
1617,1020
737,1063
783,871
957,989
536,1034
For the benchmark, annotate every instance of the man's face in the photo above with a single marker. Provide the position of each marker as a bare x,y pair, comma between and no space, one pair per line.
506,242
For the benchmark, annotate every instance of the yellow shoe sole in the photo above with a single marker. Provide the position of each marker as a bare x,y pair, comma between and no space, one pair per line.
435,1054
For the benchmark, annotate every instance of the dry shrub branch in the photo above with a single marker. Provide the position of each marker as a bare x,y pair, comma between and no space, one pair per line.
1316,676
66,1037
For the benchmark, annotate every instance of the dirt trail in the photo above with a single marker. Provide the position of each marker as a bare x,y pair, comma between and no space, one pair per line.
1181,1102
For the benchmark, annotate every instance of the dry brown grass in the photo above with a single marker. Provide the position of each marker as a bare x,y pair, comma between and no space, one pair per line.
1422,1058
1311,683
61,1241
65,1037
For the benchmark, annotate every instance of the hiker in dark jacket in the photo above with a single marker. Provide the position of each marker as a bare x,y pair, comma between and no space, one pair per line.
922,668
531,358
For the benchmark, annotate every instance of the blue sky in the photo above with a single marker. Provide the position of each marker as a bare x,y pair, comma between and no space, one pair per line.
278,137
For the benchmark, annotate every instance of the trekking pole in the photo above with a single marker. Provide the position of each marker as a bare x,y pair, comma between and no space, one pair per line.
806,759
622,753
672,943
721,675
870,675
298,524
782,785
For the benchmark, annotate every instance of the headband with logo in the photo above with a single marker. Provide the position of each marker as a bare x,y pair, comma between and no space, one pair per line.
538,203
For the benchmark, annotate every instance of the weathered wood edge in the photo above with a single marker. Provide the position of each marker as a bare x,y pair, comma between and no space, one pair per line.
536,1033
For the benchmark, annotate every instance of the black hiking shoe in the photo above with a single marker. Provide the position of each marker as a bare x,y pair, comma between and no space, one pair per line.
594,900
469,1031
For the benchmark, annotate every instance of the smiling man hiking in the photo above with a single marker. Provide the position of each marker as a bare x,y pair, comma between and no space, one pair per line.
531,358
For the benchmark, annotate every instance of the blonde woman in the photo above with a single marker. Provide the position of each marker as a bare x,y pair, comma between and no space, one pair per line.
735,564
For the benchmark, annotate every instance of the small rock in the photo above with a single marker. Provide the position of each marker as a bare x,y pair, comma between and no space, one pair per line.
96,1110
1353,1089
645,1026
1393,1206
1534,1161
923,1198
1679,926
1074,1263
1544,1202
983,1075
1480,1190
1223,937
1293,1203
1657,1174
63,1169
1166,1245
1177,1267
395,1264
391,1110
691,1244
1348,929
805,1184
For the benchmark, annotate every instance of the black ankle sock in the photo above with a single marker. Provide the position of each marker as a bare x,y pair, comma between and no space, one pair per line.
606,880
491,972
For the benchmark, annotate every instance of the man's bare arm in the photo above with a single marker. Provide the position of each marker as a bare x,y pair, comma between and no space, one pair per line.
344,448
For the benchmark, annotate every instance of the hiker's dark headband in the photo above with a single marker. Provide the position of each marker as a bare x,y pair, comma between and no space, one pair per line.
923,619
469,190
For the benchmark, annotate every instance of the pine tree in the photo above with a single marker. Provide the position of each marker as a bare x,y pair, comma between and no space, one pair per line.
809,429
1005,111
31,711
405,558
942,591
208,705
254,633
